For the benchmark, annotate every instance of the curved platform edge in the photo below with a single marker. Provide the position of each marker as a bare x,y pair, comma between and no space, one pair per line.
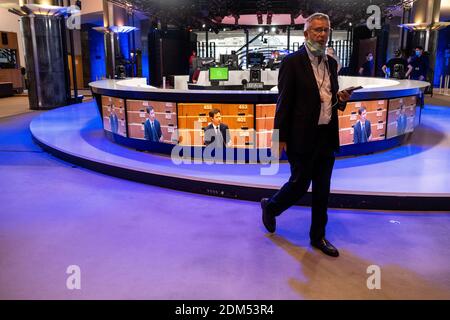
336,200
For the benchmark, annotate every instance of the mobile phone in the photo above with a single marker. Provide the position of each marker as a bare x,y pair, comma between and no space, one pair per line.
351,89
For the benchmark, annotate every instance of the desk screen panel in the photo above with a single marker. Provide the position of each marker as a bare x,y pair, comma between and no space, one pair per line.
265,116
113,112
139,113
350,129
194,117
401,117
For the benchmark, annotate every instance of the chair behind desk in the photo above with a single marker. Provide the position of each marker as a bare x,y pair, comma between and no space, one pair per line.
6,89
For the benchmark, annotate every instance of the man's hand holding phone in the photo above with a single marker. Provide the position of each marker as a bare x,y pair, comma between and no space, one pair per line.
345,94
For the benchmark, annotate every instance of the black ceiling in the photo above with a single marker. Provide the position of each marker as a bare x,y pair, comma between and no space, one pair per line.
195,13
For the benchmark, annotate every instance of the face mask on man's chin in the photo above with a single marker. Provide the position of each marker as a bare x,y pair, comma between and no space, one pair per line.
315,48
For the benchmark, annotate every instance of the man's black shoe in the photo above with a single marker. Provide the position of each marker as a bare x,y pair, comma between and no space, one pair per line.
326,247
269,220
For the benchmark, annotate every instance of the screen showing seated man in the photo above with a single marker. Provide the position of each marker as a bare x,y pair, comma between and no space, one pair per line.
362,129
401,116
218,74
113,115
152,127
216,132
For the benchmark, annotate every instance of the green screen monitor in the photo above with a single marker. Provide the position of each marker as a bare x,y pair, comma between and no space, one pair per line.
218,74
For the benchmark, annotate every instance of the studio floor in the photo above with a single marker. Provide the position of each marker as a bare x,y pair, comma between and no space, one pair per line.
137,241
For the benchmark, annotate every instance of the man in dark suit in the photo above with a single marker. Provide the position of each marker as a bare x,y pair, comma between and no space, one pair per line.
402,121
114,120
362,130
152,127
217,133
307,120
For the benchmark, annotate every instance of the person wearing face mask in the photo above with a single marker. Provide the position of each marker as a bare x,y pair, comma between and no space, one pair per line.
418,67
306,119
366,69
396,67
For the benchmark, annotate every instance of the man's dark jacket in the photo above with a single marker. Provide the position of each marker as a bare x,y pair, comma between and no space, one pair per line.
298,106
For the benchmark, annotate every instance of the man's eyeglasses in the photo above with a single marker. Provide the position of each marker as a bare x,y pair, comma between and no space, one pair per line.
320,30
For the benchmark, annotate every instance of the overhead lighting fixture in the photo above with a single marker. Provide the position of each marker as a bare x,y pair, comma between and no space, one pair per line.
46,10
115,29
425,26
38,9
122,29
269,18
259,17
10,6
260,29
273,29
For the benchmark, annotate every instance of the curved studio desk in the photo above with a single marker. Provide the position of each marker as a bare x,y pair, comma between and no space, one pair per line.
392,109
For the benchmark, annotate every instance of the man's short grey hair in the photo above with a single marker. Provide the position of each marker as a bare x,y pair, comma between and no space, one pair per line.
316,16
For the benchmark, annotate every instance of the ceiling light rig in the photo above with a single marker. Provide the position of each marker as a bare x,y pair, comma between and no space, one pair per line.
195,13
38,10
434,26
115,29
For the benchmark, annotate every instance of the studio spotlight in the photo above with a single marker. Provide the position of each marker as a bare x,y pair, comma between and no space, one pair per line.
260,18
269,18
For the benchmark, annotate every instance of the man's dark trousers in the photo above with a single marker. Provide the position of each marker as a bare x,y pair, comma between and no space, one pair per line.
316,167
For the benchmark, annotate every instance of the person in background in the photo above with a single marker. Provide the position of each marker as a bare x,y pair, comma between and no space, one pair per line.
192,64
418,68
23,72
362,129
366,69
274,61
396,67
195,75
276,56
331,52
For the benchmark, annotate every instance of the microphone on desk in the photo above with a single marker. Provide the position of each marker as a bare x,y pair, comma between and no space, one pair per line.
244,83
